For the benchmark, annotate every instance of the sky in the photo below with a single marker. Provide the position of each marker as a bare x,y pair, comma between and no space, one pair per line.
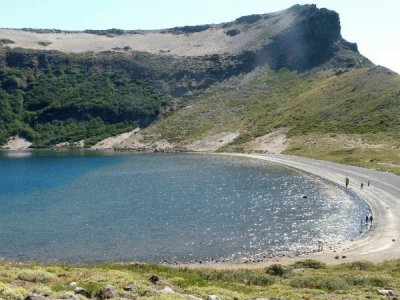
373,25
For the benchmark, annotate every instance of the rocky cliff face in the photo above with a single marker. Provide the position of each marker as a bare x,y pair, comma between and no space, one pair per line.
172,62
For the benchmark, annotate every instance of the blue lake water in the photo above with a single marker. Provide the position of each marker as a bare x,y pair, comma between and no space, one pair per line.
88,207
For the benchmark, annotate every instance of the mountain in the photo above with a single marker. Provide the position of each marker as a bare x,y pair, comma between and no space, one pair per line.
284,81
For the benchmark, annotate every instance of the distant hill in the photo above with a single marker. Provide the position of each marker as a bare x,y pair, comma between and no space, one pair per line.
284,81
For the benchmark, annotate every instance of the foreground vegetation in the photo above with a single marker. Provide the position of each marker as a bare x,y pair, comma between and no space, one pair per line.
303,280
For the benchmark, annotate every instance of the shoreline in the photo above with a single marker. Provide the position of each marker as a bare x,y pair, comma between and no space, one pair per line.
378,244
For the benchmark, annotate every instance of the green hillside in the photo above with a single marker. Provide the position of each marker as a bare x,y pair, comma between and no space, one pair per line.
320,114
53,106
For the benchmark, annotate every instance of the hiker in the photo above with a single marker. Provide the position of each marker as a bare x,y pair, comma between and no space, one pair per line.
362,185
368,183
347,181
320,246
370,219
366,219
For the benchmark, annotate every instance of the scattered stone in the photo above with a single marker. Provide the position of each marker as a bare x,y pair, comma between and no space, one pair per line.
337,257
167,290
81,291
212,297
107,292
70,296
154,279
73,283
393,240
343,256
44,44
305,197
385,292
35,297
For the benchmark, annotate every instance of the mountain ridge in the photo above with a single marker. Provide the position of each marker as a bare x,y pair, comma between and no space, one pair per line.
247,32
264,74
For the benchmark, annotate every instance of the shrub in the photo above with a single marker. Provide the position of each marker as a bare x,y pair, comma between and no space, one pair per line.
36,276
309,264
330,283
275,270
360,265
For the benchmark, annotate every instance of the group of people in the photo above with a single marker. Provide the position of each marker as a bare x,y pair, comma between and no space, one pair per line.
347,182
368,218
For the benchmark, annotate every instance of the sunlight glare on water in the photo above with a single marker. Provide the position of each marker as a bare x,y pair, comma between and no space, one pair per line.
165,207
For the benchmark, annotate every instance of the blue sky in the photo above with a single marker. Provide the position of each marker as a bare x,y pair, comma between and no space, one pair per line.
374,25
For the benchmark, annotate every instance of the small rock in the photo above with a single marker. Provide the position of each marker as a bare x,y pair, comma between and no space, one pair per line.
35,297
107,292
212,297
337,257
130,288
69,295
73,283
305,197
343,256
154,279
385,292
167,290
393,240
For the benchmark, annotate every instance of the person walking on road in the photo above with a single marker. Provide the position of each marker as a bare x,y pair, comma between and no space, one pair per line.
347,180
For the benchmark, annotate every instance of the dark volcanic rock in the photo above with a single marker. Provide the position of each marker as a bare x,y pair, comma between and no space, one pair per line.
248,19
232,32
307,43
188,29
107,292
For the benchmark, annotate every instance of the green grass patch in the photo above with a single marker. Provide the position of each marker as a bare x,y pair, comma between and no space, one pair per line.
309,279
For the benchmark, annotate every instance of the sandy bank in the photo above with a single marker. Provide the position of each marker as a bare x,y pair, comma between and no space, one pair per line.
379,244
16,143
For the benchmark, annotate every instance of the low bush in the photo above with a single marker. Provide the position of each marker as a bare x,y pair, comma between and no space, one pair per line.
309,264
36,276
275,270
